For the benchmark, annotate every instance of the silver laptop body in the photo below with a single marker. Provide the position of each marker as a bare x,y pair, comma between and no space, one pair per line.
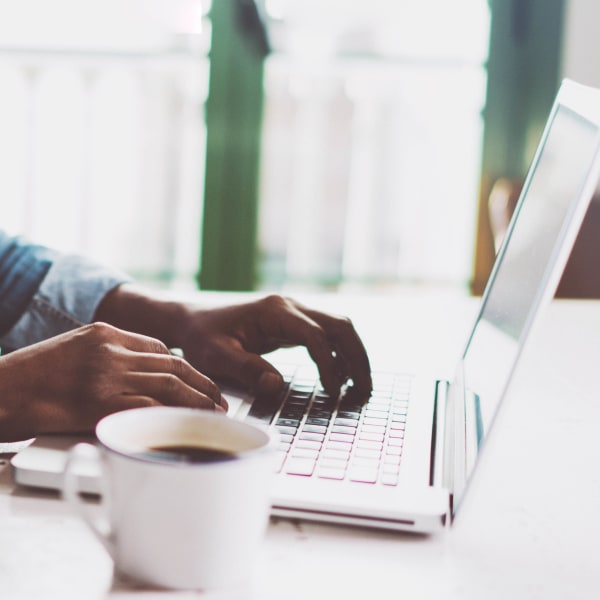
446,422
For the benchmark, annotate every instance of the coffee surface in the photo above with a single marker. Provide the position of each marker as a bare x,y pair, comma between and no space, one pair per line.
186,454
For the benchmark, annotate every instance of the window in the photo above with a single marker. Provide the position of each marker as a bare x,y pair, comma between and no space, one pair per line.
103,131
372,141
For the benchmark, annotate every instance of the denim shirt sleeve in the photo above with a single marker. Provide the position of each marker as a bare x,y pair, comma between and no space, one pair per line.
22,268
45,293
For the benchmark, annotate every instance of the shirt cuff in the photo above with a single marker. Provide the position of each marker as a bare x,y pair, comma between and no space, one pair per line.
67,298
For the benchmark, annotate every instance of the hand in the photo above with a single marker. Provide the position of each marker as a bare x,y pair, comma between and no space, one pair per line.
226,343
67,383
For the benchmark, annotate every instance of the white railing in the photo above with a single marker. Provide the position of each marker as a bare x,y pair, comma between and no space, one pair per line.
102,153
369,168
370,171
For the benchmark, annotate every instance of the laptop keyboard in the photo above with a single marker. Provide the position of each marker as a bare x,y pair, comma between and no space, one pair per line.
339,438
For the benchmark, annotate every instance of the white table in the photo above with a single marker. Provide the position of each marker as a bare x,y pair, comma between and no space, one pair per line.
529,527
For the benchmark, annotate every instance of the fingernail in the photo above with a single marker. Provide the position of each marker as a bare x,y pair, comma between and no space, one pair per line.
219,408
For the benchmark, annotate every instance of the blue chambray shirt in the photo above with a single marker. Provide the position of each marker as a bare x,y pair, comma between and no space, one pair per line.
44,293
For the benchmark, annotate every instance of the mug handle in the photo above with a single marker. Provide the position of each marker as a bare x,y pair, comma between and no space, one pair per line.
99,525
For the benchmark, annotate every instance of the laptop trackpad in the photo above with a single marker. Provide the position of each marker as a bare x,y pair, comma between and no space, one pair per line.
42,463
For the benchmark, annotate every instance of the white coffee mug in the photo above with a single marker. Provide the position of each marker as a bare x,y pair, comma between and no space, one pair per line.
176,523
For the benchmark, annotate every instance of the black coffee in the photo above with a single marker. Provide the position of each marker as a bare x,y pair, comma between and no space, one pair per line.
187,454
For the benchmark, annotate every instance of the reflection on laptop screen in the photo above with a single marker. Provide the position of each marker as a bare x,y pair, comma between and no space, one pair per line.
527,256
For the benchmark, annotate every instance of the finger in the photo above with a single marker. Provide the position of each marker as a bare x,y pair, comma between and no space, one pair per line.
348,345
298,328
332,365
248,370
173,379
169,390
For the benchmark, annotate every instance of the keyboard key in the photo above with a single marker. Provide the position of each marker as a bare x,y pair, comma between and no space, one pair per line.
382,414
350,409
374,421
393,450
345,446
360,461
362,474
393,469
343,429
402,388
373,428
314,429
397,425
401,398
297,402
395,442
286,430
314,437
370,445
389,459
399,418
389,479
286,438
336,454
292,413
346,422
299,466
341,437
373,437
300,394
305,453
345,414
397,433
381,392
320,413
332,463
317,421
322,401
308,444
381,396
288,422
331,473
377,410
364,453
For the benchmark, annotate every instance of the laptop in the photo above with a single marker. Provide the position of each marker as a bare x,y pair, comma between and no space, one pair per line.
403,460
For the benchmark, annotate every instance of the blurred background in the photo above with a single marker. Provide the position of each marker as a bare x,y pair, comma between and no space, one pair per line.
280,144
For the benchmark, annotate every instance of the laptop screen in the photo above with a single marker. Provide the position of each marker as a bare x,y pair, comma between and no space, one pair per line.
526,267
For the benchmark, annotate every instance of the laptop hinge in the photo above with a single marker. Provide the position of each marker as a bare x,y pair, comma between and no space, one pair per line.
438,435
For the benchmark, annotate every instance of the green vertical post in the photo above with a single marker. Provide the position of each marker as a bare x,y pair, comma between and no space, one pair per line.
523,74
233,119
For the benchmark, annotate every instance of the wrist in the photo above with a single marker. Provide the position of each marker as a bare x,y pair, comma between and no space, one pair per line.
133,309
